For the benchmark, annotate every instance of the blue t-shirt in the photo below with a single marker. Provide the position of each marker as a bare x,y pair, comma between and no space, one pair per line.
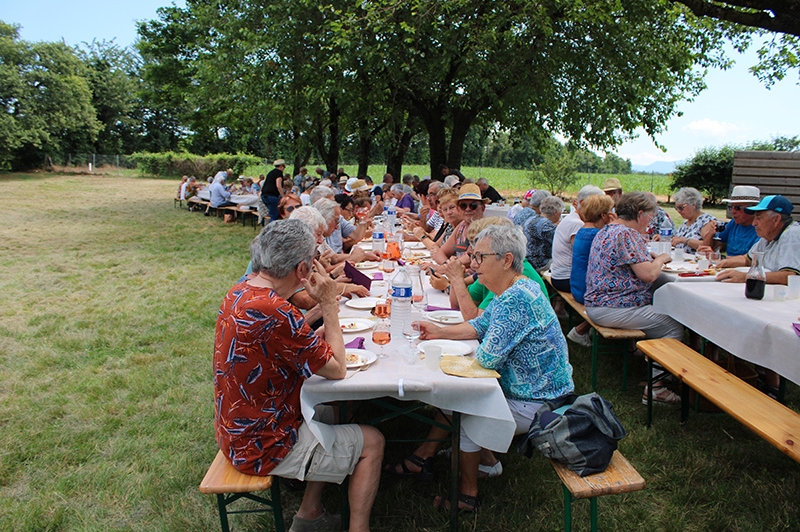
739,238
580,261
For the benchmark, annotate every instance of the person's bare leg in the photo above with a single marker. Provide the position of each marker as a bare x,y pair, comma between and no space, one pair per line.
428,448
488,458
468,484
365,479
583,327
311,505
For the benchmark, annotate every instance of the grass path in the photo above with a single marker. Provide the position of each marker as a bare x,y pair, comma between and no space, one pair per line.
108,299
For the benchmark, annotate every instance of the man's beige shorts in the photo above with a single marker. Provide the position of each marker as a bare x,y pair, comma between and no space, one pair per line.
308,460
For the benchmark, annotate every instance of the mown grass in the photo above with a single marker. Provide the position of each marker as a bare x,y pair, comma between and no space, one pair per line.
108,299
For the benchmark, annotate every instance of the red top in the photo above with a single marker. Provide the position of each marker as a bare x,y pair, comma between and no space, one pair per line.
262,352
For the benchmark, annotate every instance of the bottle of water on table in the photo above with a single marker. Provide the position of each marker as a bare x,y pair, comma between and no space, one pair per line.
665,234
401,301
378,238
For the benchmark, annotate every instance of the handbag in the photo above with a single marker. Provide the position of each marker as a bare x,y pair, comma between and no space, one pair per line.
580,431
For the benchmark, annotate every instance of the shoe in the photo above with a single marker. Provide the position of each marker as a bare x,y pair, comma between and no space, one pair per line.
466,503
485,471
324,523
425,466
662,395
581,339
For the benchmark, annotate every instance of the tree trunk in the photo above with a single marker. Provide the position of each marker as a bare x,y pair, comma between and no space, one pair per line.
437,139
364,148
397,154
462,120
332,160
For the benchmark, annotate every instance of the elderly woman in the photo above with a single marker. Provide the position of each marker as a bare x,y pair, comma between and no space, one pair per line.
468,294
539,231
405,203
288,204
472,207
698,227
446,199
220,195
596,212
520,338
622,277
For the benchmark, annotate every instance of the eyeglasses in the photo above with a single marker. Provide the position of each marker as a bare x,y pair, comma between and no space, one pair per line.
737,208
473,206
478,256
680,208
290,208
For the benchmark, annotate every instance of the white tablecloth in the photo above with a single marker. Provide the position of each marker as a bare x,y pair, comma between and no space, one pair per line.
486,417
757,331
249,200
496,210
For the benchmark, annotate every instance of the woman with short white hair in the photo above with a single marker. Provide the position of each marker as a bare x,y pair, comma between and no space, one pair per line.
698,227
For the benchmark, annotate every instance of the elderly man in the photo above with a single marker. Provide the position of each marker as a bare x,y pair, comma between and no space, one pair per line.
272,191
345,229
263,352
531,201
739,234
780,243
472,206
488,191
332,213
612,187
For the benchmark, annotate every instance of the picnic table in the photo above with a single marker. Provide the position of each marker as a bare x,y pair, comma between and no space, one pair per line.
248,200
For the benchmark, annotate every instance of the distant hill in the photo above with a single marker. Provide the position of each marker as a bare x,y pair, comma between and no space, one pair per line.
660,167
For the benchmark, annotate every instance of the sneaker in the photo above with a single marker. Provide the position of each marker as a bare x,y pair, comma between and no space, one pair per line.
578,338
324,523
490,471
662,395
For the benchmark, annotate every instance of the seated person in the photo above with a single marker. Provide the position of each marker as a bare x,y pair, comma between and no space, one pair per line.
468,294
401,193
595,213
622,277
698,227
332,213
472,207
539,232
488,191
520,338
220,195
447,209
739,234
263,352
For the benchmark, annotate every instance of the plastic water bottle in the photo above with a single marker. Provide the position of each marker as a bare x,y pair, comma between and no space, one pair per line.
378,238
401,301
665,231
391,218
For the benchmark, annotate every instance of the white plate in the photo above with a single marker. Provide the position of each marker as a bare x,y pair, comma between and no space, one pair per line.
365,358
353,325
363,303
414,245
449,347
367,265
447,317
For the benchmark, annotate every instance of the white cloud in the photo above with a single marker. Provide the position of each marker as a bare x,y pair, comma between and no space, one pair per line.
711,128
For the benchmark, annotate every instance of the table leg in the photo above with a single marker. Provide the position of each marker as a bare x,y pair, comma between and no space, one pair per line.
649,392
455,438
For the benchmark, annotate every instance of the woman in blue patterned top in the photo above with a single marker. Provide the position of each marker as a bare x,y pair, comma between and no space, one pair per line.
520,338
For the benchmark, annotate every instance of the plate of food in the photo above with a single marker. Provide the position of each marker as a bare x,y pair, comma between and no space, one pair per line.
414,245
363,303
679,267
446,317
357,358
368,265
449,347
352,325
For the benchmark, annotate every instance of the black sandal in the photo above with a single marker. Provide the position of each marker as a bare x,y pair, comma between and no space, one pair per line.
425,466
470,503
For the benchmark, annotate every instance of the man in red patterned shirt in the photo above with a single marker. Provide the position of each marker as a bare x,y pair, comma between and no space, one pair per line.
263,352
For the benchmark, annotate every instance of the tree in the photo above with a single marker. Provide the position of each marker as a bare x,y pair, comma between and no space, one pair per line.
778,16
558,171
45,98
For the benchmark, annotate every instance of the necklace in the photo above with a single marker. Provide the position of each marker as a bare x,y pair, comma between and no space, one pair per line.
514,279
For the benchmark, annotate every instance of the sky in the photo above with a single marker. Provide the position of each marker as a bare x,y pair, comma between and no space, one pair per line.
735,108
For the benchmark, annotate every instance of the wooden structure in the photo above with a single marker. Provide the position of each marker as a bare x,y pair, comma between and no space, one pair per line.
772,421
773,172
619,477
614,337
229,485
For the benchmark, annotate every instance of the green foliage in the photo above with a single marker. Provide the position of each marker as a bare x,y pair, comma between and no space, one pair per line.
710,171
557,172
184,163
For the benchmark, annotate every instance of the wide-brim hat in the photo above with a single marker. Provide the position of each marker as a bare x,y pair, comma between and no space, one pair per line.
772,203
343,179
470,191
611,184
744,194
278,162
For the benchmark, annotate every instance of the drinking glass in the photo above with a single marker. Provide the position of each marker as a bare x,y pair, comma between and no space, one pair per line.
383,309
713,258
411,326
382,335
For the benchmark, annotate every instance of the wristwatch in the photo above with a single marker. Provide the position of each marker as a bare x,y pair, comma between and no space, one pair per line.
423,237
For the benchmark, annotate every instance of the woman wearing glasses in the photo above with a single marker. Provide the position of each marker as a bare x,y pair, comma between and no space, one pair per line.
520,338
471,205
288,203
698,227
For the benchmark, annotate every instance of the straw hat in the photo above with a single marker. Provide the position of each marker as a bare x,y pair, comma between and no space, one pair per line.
278,162
744,194
470,191
611,184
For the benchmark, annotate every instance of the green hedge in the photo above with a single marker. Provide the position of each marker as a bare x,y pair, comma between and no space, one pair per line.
171,164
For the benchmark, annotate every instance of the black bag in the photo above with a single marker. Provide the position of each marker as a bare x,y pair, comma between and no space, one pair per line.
583,438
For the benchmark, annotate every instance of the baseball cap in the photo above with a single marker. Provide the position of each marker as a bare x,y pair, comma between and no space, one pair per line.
772,203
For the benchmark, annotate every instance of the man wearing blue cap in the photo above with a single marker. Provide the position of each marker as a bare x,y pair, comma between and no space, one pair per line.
780,243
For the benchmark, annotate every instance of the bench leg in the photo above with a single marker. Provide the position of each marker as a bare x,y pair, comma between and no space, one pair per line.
277,509
595,352
649,392
593,513
223,512
567,509
684,403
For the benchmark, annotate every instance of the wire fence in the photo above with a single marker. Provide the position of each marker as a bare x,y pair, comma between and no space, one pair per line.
87,162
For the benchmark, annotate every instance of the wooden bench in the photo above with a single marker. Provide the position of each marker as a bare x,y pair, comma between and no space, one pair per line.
772,421
196,203
177,201
619,477
614,336
229,485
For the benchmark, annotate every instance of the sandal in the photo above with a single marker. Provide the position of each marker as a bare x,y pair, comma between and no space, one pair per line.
425,466
662,395
470,503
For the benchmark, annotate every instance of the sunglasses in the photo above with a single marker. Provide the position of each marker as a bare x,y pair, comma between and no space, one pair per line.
473,206
290,208
737,208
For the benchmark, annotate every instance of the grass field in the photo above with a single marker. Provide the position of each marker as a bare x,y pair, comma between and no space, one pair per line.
108,299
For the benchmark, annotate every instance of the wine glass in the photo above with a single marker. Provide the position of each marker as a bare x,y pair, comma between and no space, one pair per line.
411,327
383,309
382,335
713,258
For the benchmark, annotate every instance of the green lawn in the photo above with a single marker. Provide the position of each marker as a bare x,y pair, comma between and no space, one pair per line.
108,299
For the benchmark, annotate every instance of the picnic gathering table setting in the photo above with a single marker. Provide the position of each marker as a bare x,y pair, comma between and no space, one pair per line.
248,200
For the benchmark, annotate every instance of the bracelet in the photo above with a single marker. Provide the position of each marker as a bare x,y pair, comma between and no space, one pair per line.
423,237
